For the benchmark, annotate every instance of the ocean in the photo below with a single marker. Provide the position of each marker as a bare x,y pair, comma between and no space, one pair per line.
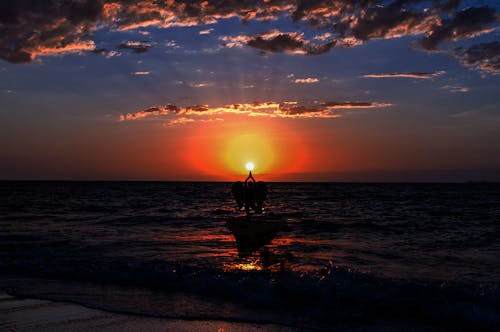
346,253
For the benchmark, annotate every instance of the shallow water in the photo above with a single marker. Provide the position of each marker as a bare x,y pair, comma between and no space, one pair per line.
174,237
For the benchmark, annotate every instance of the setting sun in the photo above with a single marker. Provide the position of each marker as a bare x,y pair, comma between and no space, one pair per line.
225,151
255,146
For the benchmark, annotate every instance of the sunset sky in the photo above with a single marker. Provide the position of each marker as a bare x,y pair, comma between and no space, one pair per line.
361,90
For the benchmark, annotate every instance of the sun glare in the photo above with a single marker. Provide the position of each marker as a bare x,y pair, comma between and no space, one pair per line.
254,146
231,151
249,166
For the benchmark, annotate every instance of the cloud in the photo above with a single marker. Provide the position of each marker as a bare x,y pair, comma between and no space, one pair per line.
455,88
464,114
136,47
308,80
323,37
31,29
272,109
172,44
112,54
206,32
418,75
484,57
157,110
275,41
234,41
351,105
140,73
467,23
200,85
390,21
179,121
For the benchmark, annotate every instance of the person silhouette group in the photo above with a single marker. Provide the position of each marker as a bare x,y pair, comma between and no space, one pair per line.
250,194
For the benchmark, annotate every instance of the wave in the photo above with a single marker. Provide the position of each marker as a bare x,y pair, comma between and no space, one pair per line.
329,296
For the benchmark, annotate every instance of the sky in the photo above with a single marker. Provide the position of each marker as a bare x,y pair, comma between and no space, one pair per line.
361,90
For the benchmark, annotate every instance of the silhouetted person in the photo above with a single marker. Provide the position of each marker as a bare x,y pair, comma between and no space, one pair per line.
253,196
239,194
249,177
260,193
250,194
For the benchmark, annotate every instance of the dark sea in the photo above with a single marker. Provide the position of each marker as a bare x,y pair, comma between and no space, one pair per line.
346,253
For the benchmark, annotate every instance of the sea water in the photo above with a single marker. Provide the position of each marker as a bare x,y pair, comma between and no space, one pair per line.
428,252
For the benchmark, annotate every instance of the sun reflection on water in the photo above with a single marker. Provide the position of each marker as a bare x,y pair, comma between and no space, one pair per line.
250,265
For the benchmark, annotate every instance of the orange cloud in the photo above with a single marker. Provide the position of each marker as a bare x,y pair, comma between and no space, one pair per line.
140,73
286,109
308,80
160,110
206,31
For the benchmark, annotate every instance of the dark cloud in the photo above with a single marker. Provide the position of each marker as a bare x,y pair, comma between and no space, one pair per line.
325,109
98,51
30,29
418,75
353,105
466,23
136,47
275,41
449,5
347,104
156,110
197,108
484,56
300,110
390,21
281,43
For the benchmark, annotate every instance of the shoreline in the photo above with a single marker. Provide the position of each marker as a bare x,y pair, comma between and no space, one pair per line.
19,314
47,309
26,314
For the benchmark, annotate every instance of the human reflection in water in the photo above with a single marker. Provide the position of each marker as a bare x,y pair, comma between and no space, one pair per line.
250,236
250,194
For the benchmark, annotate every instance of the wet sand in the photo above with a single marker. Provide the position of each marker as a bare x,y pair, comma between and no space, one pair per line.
19,314
28,314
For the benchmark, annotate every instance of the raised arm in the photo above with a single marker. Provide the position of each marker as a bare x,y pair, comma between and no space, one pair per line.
250,177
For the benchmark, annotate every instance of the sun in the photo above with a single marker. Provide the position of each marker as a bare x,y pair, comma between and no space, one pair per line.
249,166
229,151
249,149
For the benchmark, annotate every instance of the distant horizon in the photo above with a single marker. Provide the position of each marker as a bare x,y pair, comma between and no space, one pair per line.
492,176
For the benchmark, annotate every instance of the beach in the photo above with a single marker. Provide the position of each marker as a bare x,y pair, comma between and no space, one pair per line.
23,314
30,314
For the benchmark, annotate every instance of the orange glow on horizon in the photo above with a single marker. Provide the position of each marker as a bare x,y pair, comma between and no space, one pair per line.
246,148
223,151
